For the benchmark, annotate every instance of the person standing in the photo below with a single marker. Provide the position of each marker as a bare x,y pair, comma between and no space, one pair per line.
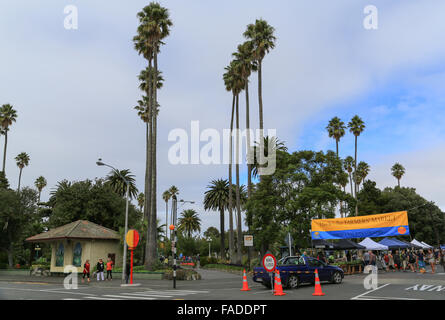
397,261
404,260
366,257
391,261
127,272
421,261
86,271
109,269
431,261
412,261
372,258
100,267
442,258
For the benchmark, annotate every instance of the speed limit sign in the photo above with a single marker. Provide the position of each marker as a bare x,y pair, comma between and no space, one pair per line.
269,262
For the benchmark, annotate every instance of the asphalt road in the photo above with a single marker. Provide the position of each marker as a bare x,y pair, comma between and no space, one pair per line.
217,285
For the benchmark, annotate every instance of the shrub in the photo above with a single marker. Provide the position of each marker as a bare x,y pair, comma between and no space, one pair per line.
182,274
206,260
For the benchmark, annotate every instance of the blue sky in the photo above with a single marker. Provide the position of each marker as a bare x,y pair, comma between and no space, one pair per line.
75,90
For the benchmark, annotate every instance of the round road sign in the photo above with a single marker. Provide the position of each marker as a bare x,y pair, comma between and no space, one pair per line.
269,262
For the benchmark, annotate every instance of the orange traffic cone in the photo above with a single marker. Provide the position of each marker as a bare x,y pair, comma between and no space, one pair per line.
245,283
317,291
278,288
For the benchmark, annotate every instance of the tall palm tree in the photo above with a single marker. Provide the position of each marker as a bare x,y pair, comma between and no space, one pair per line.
362,172
22,161
119,185
217,198
189,222
348,165
336,129
141,200
343,181
398,171
166,197
356,126
229,78
275,145
7,116
174,191
261,34
247,64
153,28
40,183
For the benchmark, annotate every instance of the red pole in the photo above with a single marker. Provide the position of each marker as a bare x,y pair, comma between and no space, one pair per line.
131,276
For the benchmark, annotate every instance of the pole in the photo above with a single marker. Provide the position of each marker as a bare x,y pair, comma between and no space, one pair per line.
209,249
131,272
174,204
124,265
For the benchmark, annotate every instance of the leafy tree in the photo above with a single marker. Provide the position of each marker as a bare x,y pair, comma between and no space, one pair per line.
212,232
22,161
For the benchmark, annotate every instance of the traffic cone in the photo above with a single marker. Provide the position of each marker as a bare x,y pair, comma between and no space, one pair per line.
278,288
245,283
317,291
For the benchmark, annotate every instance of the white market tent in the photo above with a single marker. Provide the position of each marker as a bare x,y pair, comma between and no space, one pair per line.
420,244
372,245
426,244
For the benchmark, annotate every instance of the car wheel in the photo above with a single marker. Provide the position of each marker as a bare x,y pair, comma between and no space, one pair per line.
293,282
336,278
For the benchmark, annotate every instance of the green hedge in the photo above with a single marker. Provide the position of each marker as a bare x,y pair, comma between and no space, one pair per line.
224,267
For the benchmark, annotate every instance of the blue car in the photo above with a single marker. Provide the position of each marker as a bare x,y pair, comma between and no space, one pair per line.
296,270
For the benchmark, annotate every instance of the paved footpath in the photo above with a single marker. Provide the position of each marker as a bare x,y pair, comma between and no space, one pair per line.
216,285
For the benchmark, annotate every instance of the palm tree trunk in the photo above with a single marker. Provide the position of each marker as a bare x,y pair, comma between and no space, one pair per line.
398,182
260,109
223,245
238,201
166,222
355,182
20,178
4,150
231,238
249,166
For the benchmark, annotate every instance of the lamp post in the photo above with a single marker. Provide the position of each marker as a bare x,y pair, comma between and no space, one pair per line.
174,228
124,263
209,240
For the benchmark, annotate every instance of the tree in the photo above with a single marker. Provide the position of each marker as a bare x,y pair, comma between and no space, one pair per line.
356,126
22,160
336,129
166,197
362,172
117,178
348,166
217,198
7,116
189,222
153,28
40,183
212,232
141,200
261,36
174,191
398,171
273,143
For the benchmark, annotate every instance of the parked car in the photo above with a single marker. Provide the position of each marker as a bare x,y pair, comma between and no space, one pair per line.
296,270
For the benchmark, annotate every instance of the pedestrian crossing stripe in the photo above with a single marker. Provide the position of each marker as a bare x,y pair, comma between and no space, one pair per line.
127,297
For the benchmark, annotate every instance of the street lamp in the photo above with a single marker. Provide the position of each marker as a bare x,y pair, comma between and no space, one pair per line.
209,240
124,263
175,238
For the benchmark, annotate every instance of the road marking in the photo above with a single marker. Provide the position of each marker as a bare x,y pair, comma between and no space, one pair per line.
388,298
127,297
100,298
67,292
148,295
369,291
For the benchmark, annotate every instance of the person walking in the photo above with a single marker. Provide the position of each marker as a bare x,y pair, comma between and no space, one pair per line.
431,261
412,261
391,261
397,261
86,271
109,269
100,267
366,257
404,260
372,258
421,261
442,259
127,272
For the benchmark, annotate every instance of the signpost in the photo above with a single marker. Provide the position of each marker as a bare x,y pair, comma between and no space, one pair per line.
289,240
269,264
248,241
132,239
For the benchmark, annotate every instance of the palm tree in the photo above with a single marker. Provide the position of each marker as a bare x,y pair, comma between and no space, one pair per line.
217,198
362,172
356,126
141,200
40,183
118,184
153,28
398,171
348,166
7,116
189,222
22,161
166,197
342,181
174,191
261,35
275,145
336,129
244,58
